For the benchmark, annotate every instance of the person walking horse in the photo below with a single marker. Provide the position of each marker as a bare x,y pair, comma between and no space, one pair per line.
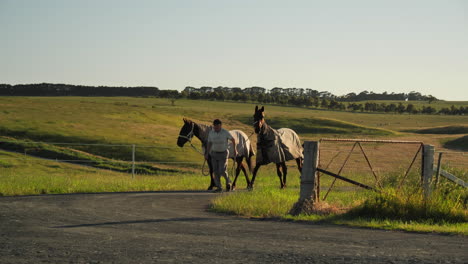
217,149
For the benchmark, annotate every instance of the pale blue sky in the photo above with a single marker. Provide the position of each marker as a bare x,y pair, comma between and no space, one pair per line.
336,46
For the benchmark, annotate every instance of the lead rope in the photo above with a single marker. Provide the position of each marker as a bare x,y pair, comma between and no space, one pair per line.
189,139
204,160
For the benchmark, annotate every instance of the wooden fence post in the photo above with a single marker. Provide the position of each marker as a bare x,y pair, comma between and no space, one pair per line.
308,191
438,169
133,161
428,169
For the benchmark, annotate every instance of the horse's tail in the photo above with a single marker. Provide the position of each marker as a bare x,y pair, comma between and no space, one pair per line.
249,158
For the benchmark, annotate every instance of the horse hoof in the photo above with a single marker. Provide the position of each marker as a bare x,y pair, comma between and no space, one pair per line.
210,188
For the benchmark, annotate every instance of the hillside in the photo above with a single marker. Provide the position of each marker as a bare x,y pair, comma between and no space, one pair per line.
153,124
458,144
462,129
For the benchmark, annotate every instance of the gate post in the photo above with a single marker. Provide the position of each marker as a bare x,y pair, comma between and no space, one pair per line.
428,169
308,192
133,161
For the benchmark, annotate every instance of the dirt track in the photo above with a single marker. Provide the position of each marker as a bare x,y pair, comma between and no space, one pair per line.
174,227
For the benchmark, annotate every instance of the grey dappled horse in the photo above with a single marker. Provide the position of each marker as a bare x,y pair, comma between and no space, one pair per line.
243,146
275,145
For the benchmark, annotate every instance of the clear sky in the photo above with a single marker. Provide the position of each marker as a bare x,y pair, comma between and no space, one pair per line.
327,45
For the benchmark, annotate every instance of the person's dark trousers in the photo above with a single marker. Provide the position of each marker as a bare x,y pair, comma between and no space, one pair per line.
219,160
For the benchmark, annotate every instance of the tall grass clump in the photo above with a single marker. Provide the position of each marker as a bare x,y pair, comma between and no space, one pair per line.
447,204
394,208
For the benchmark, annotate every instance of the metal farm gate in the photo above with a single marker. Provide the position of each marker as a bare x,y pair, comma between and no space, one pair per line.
363,163
369,164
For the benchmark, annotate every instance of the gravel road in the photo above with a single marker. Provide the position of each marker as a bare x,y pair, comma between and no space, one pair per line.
175,227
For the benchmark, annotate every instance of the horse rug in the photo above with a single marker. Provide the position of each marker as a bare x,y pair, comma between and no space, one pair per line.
278,145
243,145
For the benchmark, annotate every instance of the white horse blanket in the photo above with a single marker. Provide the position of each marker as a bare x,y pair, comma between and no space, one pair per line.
243,145
277,145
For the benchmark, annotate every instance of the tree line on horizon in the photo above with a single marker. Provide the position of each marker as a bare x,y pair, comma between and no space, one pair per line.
301,97
323,100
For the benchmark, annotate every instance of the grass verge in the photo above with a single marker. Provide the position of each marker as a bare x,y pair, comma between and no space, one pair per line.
445,212
32,176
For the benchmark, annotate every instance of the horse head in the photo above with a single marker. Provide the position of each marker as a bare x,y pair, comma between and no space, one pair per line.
259,120
186,132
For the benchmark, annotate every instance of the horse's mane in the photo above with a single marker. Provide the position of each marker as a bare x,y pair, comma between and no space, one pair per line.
203,131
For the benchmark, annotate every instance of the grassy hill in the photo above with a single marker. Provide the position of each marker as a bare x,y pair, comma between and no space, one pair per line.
326,126
153,124
458,144
461,129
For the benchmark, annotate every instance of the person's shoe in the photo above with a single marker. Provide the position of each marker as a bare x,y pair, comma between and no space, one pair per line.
218,190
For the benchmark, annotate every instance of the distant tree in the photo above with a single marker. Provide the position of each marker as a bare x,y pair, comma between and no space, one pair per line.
444,111
410,108
324,103
428,110
391,108
431,99
401,108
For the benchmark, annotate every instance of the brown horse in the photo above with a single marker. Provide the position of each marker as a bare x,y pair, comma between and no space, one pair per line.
243,146
275,145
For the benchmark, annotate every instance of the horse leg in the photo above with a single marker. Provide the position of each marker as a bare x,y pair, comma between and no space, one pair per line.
238,168
278,171
212,182
299,164
244,170
285,173
250,187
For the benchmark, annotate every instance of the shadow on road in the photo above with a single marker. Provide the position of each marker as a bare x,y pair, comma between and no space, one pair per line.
189,219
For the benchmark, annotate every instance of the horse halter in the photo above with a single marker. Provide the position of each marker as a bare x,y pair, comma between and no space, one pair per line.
189,136
259,120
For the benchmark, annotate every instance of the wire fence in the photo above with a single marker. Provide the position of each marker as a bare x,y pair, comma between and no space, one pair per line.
374,163
455,162
132,158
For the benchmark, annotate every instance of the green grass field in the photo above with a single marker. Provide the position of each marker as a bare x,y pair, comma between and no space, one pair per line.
153,124
24,175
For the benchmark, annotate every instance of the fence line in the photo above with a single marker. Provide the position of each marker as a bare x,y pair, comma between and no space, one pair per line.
453,178
452,152
91,161
90,144
133,162
371,140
